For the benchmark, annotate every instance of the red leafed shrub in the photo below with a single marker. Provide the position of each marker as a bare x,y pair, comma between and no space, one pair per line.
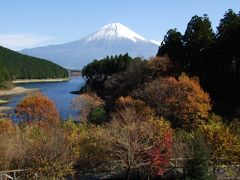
161,154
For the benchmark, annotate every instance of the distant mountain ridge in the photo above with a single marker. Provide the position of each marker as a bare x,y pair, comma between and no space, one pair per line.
112,39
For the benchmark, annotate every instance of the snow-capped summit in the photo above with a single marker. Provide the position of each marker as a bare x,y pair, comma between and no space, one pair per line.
111,39
113,31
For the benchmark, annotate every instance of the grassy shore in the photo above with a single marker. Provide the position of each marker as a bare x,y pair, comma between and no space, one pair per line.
40,80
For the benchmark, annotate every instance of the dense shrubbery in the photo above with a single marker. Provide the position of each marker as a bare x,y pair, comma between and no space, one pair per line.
126,143
45,153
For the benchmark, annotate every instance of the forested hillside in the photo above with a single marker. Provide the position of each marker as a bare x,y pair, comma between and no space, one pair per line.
14,65
4,75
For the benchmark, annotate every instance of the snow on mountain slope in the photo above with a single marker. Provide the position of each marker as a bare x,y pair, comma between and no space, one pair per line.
112,39
114,31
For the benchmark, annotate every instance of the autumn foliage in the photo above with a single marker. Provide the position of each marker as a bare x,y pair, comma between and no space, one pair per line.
179,99
46,154
138,139
138,107
6,126
225,145
160,66
162,152
85,103
7,143
37,108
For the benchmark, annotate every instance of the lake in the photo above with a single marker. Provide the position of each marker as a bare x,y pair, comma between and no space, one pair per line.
59,92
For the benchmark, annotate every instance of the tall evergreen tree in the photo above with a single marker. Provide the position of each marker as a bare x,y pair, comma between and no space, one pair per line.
198,38
197,168
224,67
172,45
228,39
228,53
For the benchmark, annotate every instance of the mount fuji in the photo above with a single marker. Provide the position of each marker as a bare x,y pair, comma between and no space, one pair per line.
111,39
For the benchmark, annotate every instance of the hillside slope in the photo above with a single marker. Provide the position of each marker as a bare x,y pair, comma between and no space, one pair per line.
14,65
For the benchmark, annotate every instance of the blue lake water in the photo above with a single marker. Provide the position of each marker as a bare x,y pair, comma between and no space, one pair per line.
59,92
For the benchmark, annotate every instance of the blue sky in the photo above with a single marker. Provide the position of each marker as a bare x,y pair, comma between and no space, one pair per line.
30,23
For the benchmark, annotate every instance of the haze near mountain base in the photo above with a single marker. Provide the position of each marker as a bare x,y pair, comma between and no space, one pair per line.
112,39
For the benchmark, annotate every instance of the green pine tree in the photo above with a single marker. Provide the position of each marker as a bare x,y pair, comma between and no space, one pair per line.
197,168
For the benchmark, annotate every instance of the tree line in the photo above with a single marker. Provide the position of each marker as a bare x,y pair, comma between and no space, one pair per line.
212,56
100,70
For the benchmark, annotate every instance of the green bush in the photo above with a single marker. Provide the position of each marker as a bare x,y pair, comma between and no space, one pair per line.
98,115
197,168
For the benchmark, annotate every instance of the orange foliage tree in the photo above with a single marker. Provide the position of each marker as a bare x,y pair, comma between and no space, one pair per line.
179,99
37,108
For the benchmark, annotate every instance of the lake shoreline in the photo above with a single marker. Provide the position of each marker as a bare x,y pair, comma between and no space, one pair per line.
58,92
3,109
13,91
16,90
40,80
3,101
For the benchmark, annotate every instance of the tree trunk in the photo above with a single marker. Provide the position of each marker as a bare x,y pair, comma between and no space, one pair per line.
128,173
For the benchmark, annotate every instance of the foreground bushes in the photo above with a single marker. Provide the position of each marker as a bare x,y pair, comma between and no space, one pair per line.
44,153
38,143
134,140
